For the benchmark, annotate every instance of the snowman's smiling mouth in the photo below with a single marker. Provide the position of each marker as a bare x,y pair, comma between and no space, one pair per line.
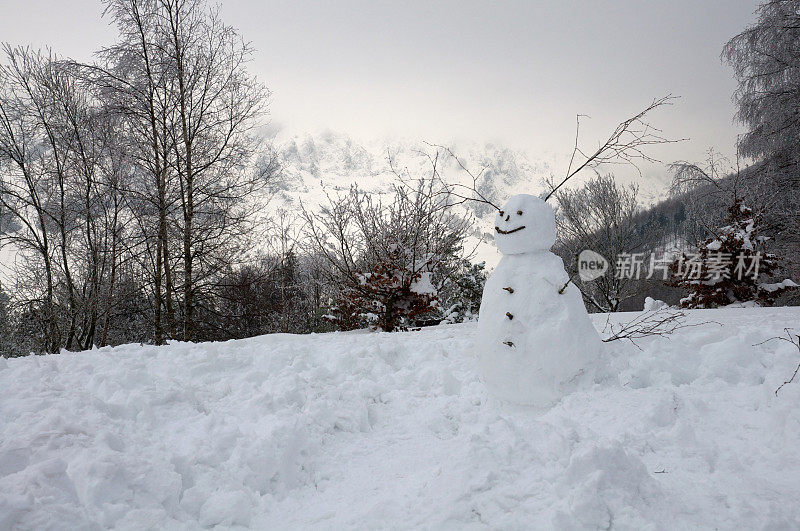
501,231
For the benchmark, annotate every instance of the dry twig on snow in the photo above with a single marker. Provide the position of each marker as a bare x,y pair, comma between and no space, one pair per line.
794,339
661,322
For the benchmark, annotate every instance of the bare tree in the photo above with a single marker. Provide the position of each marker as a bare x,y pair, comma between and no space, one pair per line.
601,216
136,82
217,104
765,58
383,251
285,232
708,189
27,190
178,78
62,187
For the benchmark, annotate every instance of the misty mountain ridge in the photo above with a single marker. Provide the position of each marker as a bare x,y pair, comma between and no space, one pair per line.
329,162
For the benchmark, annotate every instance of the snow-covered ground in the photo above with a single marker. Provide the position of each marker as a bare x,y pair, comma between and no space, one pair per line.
372,430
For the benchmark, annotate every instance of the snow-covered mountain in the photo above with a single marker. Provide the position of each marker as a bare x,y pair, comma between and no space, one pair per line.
335,161
314,165
329,163
364,430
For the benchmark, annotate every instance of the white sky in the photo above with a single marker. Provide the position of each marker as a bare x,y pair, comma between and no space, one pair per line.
514,73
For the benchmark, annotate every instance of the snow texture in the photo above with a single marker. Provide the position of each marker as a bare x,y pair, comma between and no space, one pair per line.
373,431
787,283
423,285
652,305
534,344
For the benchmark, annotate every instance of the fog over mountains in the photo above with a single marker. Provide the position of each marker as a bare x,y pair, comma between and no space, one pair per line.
329,162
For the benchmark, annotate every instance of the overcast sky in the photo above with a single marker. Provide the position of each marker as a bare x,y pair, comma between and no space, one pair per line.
514,73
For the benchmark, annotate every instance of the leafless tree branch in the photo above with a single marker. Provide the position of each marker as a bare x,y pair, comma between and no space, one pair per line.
662,323
793,338
625,145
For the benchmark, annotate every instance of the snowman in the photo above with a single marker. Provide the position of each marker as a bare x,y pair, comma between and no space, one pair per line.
535,341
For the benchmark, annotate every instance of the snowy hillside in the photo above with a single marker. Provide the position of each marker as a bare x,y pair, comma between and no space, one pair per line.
370,430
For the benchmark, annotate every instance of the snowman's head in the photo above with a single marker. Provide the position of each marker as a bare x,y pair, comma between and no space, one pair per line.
525,224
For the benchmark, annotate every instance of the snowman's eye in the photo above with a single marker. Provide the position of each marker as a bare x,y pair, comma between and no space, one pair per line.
519,212
502,213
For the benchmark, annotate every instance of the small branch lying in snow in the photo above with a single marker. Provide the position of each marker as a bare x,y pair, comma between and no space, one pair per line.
794,339
790,380
661,322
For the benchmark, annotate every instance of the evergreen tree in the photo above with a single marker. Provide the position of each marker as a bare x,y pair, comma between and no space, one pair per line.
730,266
390,295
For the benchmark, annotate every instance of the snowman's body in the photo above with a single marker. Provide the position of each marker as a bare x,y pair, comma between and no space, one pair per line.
534,344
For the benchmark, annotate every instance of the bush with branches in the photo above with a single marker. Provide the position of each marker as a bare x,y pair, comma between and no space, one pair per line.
604,217
384,252
730,266
461,293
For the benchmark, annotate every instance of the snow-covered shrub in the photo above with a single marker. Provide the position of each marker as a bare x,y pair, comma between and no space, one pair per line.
345,313
730,266
390,295
387,254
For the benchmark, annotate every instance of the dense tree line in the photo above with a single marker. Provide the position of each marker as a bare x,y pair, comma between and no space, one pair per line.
129,182
607,218
713,201
133,193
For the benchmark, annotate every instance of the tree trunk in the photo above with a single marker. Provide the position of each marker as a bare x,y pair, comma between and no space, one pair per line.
188,302
388,323
73,311
158,331
113,274
168,288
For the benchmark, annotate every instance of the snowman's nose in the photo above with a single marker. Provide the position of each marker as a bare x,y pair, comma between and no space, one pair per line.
508,216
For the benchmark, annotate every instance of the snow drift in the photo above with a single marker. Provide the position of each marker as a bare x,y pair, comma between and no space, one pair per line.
365,430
